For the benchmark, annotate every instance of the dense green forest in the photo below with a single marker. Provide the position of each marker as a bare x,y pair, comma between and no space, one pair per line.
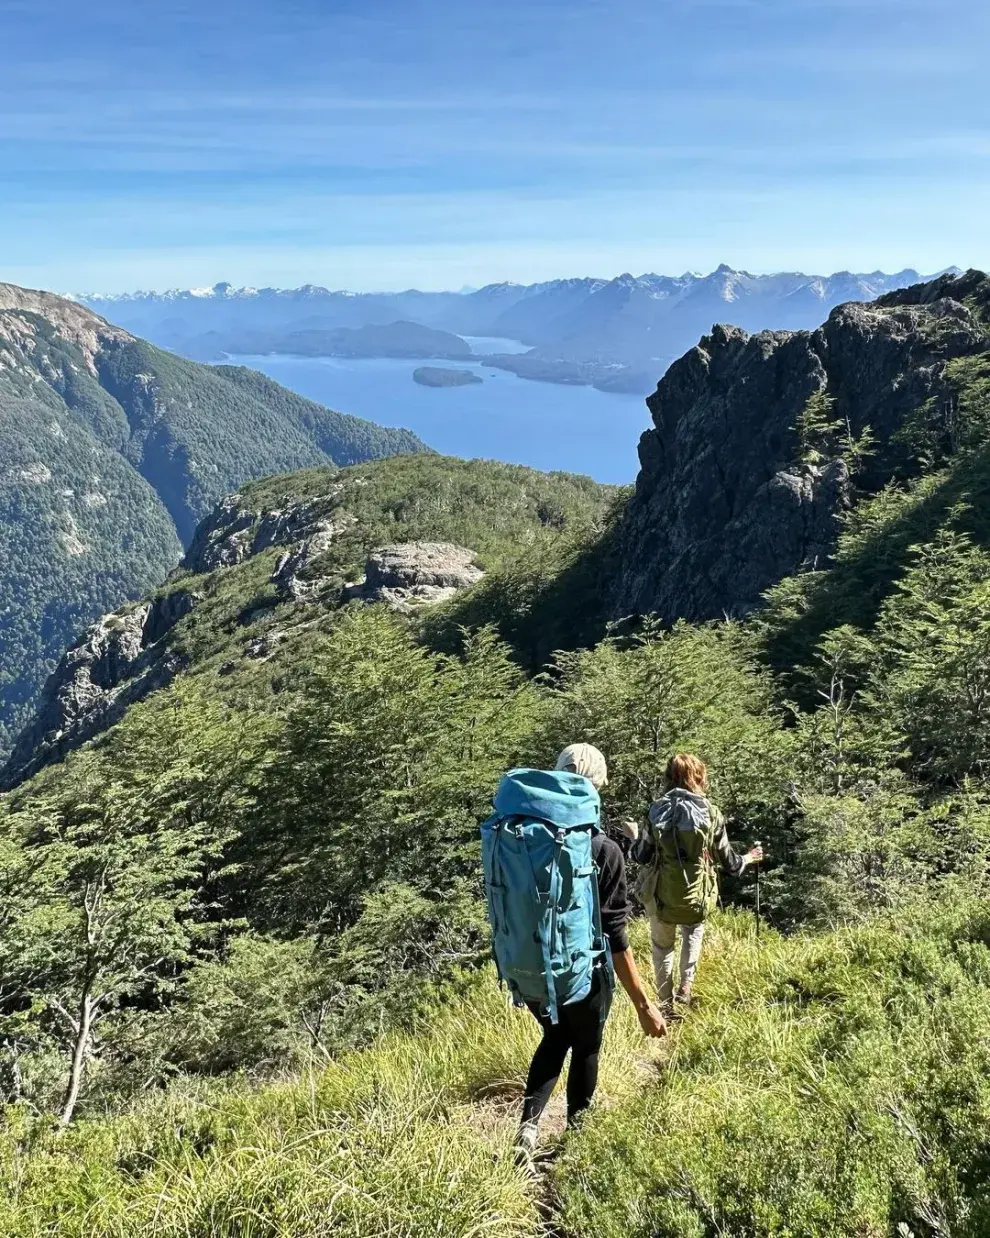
111,451
243,946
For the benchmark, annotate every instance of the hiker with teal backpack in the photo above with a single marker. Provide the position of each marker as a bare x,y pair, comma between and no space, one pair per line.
678,881
558,908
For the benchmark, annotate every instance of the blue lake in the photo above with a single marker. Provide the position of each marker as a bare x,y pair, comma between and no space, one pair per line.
504,417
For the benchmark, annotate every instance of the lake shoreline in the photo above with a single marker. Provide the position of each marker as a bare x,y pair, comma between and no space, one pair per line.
548,426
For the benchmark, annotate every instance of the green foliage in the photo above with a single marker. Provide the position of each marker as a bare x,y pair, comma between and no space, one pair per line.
878,541
388,761
830,1084
833,1085
956,420
109,867
258,1008
933,682
696,689
67,502
504,512
552,594
823,436
106,473
365,1148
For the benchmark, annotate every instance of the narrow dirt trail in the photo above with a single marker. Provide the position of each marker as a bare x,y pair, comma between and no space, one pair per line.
495,1115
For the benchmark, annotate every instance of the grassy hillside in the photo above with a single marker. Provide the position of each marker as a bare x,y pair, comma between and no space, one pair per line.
823,1085
112,450
242,941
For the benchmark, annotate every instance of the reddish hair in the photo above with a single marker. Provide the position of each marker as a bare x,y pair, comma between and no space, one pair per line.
688,772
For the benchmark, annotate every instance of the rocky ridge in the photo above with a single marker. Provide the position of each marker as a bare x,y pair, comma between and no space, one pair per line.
725,505
120,659
22,308
127,654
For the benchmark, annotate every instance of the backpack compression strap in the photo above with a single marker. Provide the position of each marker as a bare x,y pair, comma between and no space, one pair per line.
545,938
493,918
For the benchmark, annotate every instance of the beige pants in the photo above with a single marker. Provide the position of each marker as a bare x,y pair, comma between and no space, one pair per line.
664,936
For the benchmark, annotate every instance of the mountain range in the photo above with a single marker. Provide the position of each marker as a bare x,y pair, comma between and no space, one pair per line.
619,334
111,451
739,488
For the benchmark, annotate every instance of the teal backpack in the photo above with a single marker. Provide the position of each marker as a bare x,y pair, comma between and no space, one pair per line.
542,887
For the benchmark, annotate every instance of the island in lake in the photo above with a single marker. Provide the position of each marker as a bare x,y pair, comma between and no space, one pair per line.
433,376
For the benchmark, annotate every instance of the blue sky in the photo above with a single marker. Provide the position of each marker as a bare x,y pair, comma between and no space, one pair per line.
392,143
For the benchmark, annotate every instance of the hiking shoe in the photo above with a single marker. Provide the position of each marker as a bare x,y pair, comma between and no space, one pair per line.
524,1150
683,998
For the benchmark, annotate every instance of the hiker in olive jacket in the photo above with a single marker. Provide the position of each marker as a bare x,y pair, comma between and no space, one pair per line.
678,884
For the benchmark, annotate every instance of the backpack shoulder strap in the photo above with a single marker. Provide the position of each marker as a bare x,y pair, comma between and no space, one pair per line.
600,943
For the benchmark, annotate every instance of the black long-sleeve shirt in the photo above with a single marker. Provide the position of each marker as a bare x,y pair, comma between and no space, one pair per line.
613,894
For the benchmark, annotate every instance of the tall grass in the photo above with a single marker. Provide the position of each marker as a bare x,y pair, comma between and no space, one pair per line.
837,1085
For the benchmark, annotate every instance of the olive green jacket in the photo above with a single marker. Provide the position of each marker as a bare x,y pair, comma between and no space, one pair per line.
679,853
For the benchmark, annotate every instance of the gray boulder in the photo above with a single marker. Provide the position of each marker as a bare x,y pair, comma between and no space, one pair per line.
413,574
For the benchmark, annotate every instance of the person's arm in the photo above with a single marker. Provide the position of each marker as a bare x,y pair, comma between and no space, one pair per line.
731,860
614,903
650,1019
643,847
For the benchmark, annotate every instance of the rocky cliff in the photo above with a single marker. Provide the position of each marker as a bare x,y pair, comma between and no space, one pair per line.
729,500
279,558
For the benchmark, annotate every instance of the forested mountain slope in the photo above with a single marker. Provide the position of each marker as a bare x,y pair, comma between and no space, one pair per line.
243,944
270,561
110,452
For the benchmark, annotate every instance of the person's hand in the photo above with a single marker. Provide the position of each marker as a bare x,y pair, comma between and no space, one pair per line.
651,1021
755,855
629,827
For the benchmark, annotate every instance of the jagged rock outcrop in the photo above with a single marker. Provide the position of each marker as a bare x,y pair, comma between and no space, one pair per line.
306,528
723,508
413,574
236,529
120,659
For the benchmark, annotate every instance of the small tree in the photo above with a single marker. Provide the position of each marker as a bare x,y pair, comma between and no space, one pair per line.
823,436
933,674
845,738
112,916
694,688
388,762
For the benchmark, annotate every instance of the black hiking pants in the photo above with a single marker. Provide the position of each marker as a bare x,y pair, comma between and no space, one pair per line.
580,1029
